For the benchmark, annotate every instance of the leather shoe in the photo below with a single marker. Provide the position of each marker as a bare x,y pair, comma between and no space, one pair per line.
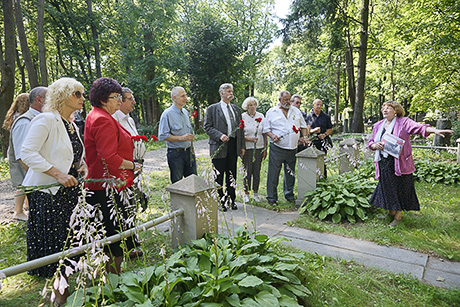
137,253
272,202
223,208
234,206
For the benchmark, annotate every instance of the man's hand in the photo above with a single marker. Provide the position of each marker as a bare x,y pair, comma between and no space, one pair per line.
188,137
224,138
315,130
243,151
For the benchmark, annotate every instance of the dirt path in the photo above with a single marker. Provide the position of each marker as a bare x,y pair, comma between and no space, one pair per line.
154,161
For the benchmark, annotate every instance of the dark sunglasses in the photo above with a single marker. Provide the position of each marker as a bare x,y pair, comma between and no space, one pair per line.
79,94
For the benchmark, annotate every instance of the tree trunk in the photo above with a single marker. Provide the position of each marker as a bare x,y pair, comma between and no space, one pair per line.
97,54
41,43
337,91
358,125
350,72
7,67
31,72
22,72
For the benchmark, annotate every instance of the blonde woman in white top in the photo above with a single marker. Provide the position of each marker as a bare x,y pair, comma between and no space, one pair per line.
255,144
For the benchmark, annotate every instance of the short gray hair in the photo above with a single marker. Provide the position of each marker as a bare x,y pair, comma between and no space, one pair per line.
247,101
295,96
39,91
125,90
225,86
175,91
282,93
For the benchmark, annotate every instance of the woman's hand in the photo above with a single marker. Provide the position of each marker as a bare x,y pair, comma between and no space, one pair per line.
83,170
378,146
65,179
442,132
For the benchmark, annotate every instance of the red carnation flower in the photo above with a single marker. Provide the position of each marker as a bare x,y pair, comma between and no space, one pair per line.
241,126
259,119
295,129
194,114
144,138
136,137
153,137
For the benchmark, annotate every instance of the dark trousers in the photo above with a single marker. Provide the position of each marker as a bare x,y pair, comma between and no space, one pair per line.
252,162
276,159
227,166
182,163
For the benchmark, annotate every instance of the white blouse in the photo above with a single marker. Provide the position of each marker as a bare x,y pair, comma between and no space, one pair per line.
252,128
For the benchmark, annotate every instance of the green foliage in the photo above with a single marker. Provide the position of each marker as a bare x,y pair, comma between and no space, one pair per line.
340,198
4,169
245,270
437,172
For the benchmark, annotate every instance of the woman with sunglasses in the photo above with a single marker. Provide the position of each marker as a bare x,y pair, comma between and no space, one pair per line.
54,152
109,151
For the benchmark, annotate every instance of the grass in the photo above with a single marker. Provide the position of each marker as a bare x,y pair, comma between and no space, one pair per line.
332,282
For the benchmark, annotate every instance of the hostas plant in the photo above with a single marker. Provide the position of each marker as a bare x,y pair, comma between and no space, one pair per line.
341,198
437,172
245,270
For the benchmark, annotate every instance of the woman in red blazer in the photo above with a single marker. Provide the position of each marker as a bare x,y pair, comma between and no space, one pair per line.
109,152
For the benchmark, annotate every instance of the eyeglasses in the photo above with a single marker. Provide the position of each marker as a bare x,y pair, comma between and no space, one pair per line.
118,97
79,94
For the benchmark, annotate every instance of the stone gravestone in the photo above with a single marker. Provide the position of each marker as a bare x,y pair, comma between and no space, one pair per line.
443,123
200,210
310,164
348,155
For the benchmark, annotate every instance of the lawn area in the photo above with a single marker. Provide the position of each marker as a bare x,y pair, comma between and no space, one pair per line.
435,229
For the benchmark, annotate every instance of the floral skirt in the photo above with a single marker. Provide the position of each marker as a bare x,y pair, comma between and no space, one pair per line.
394,192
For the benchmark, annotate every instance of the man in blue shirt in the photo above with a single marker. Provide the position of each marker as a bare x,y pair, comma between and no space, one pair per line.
176,129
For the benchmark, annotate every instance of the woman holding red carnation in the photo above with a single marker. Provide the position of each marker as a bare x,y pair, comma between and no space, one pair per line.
109,151
255,144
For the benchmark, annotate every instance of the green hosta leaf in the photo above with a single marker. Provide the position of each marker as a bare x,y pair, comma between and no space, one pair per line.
336,218
265,298
360,213
298,290
249,302
351,219
233,300
280,266
135,294
250,281
287,301
130,279
323,214
351,203
314,205
147,303
333,210
349,210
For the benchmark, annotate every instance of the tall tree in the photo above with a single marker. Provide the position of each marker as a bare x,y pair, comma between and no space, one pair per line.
41,42
94,32
31,72
358,124
7,66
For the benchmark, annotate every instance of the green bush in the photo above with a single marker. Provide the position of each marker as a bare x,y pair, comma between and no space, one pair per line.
343,197
246,270
437,172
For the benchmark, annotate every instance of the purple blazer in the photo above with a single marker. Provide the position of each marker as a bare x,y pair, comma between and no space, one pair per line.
403,129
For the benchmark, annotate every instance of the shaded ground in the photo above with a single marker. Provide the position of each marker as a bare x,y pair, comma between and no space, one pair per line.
154,161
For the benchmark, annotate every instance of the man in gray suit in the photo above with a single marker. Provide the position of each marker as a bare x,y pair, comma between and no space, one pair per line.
221,124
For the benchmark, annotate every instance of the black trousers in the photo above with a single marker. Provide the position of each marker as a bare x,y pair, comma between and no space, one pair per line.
227,166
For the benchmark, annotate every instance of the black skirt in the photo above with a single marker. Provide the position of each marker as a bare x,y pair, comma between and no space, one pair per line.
394,192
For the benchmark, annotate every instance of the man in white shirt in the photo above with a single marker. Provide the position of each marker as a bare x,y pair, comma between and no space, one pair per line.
283,124
122,116
19,131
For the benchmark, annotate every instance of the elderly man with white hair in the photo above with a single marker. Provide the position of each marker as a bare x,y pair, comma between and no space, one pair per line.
283,124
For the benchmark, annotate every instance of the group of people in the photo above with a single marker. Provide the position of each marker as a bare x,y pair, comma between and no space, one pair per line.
46,148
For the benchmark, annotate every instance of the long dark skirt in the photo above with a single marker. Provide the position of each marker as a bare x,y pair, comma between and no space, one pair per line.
48,225
394,192
118,217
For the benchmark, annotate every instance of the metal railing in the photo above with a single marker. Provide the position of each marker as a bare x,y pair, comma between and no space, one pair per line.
36,263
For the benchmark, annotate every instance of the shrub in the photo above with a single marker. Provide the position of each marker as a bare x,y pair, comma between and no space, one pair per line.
437,172
343,197
245,270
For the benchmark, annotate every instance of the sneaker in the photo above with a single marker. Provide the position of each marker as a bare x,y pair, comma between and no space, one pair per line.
256,198
234,206
246,198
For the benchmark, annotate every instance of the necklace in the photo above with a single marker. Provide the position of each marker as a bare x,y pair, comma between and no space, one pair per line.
69,125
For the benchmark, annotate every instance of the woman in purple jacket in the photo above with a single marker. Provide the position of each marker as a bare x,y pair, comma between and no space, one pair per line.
396,191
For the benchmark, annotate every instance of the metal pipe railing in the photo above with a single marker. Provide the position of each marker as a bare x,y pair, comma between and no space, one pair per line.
36,263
